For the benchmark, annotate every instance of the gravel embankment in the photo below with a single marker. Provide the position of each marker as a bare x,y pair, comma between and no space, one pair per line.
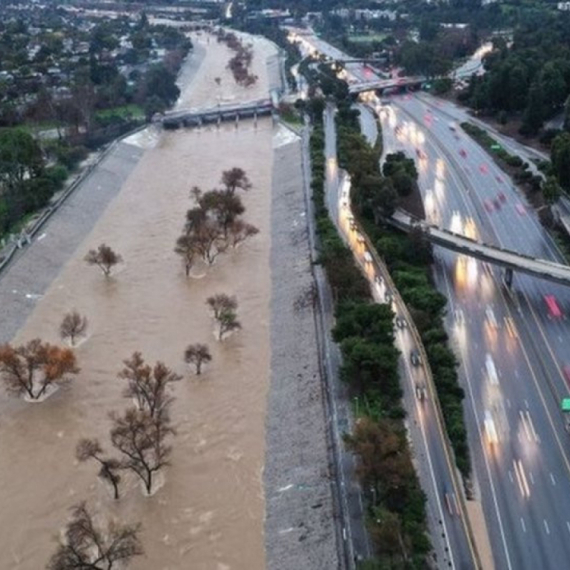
299,526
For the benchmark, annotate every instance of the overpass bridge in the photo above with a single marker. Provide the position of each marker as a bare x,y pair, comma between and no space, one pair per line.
510,260
382,84
371,60
227,112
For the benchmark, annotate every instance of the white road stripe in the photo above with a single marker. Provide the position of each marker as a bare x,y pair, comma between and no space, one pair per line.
546,527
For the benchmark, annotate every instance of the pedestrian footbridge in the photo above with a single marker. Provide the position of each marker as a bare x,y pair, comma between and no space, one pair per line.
510,260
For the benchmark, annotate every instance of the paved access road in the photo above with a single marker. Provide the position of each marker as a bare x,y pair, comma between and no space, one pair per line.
512,350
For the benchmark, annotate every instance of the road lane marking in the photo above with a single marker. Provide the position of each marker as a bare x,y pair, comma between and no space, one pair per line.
521,478
478,425
511,476
568,526
552,479
546,527
531,477
523,525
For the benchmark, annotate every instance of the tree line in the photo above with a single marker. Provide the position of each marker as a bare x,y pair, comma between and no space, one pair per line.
395,500
529,79
375,195
240,63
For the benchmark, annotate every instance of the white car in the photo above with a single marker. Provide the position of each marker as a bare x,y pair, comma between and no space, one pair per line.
491,319
490,428
491,369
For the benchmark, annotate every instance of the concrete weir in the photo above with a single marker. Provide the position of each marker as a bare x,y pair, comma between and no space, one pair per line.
232,112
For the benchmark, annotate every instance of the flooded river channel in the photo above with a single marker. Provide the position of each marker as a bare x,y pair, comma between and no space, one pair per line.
208,515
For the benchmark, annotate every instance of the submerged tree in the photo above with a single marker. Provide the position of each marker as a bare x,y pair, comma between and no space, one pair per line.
109,471
33,367
221,302
239,231
140,438
148,385
224,308
104,257
197,354
72,326
235,178
187,248
87,547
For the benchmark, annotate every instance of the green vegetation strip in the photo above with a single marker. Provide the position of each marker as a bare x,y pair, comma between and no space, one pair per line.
409,260
511,164
365,332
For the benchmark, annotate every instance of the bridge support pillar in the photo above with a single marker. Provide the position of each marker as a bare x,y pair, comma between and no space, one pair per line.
219,121
255,119
509,277
237,120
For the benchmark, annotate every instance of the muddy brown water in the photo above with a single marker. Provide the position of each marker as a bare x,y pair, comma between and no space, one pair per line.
209,512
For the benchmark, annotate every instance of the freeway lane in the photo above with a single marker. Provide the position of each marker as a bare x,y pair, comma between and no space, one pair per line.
514,227
524,482
435,467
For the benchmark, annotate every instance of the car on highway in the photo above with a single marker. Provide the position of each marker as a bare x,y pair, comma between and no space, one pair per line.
552,306
483,168
378,279
491,319
415,357
421,392
401,323
497,203
488,205
463,152
452,127
520,209
510,326
490,428
491,369
459,317
499,179
421,154
502,197
367,257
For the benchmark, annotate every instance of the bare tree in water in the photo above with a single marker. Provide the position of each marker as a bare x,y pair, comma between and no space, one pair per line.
33,367
224,309
148,385
87,547
104,257
140,437
239,231
235,178
109,471
72,326
187,248
197,354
